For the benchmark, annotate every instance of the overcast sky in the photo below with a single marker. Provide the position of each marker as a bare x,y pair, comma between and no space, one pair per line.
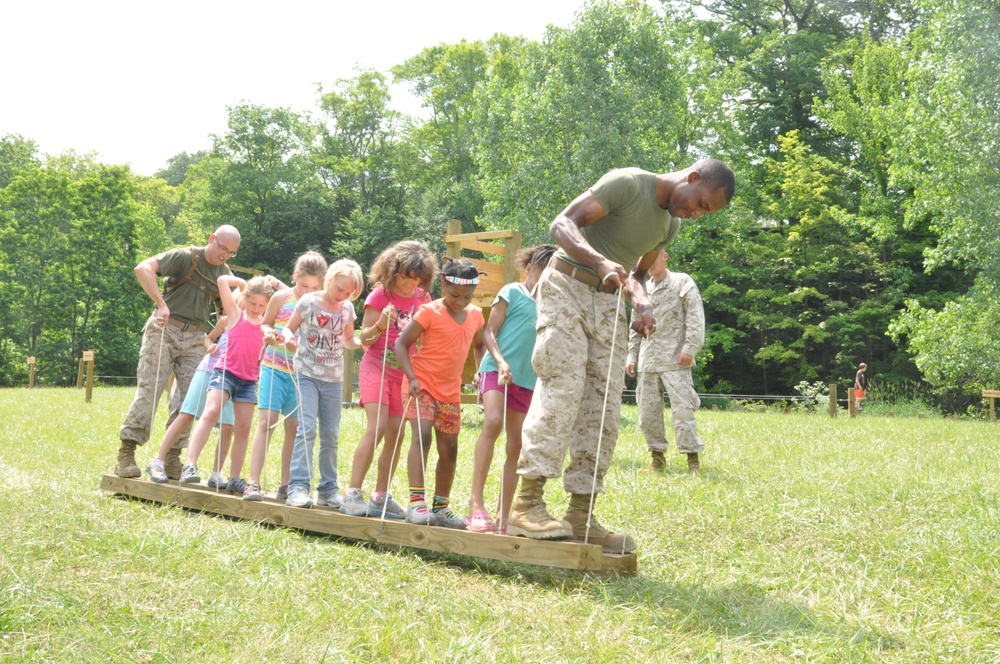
138,82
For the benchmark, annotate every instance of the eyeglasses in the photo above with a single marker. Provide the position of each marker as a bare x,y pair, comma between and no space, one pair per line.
228,253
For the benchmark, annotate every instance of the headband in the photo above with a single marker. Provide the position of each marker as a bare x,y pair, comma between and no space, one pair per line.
459,281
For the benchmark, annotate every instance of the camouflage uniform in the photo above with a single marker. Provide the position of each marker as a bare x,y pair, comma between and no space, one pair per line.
181,352
571,358
680,328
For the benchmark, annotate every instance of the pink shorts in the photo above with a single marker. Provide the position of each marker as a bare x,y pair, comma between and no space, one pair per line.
374,390
518,398
446,416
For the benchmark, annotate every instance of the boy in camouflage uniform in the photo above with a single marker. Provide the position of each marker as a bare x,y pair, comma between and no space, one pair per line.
626,218
172,337
665,359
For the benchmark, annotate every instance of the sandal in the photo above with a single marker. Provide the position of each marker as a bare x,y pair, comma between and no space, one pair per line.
480,522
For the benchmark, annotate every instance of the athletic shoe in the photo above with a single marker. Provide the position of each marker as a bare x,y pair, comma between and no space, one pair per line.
392,509
282,492
353,503
189,474
446,518
236,485
418,514
156,473
298,497
252,492
328,499
217,482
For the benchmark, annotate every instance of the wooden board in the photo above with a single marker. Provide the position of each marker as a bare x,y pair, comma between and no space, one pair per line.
567,555
991,394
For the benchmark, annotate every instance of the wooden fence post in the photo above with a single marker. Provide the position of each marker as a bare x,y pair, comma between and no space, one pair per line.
79,374
31,371
851,409
833,400
88,358
992,395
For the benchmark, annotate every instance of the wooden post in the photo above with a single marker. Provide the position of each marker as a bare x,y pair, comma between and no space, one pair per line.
992,395
348,394
833,400
88,358
79,374
511,246
454,249
31,371
851,410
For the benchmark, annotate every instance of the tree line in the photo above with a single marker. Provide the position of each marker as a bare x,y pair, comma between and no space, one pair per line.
863,134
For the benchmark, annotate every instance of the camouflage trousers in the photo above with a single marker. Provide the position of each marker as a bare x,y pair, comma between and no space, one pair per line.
683,402
572,357
164,350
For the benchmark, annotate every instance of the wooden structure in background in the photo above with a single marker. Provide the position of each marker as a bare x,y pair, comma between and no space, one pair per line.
992,396
833,400
329,521
851,404
495,277
88,361
31,371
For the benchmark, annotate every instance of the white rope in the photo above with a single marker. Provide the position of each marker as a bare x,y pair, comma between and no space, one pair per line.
378,418
503,466
392,460
222,405
156,383
298,393
604,412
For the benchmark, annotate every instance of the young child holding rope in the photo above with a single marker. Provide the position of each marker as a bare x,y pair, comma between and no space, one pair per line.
400,279
193,408
235,376
325,323
506,382
445,327
278,396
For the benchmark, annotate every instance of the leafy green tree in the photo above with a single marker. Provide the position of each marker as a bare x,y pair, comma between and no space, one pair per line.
260,177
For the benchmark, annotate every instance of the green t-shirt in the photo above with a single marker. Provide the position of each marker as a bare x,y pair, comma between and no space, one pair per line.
634,223
187,302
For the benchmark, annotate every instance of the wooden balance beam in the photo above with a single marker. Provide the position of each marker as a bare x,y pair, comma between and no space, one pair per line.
329,521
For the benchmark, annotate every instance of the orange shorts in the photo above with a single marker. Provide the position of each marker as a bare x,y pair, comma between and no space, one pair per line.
446,416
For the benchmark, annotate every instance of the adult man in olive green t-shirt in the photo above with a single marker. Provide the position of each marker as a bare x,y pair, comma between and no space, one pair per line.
172,337
625,219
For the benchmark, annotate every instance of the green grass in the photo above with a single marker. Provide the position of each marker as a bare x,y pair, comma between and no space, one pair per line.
804,539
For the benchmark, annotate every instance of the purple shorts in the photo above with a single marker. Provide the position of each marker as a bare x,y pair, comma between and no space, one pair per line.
518,398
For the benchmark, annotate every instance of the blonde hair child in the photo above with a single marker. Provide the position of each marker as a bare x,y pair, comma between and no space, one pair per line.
278,396
325,323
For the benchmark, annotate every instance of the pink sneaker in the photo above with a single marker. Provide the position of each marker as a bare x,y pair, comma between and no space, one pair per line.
480,522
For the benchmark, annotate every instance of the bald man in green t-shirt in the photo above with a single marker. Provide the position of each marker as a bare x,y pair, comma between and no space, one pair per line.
625,219
172,337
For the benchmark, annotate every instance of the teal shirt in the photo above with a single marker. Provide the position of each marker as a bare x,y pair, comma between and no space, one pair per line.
516,337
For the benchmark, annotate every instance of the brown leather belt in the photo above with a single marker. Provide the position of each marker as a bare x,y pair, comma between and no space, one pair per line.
184,327
581,275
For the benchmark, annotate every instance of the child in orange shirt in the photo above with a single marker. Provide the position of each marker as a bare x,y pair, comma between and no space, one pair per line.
445,327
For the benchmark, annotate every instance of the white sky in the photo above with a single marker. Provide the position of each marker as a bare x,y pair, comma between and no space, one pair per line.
138,82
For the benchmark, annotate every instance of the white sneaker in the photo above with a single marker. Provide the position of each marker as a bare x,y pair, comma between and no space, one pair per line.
298,497
353,503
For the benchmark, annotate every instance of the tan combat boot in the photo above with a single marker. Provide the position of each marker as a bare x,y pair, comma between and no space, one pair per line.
659,461
694,466
173,464
576,516
528,516
126,466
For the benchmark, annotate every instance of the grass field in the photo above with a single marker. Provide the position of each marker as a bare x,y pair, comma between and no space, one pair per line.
804,539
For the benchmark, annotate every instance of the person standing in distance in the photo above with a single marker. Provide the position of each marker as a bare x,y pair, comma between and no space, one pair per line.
665,359
625,219
172,337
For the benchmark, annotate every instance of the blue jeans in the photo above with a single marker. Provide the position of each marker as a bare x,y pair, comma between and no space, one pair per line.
321,401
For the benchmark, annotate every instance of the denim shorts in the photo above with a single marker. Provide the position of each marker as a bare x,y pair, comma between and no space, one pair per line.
239,389
194,402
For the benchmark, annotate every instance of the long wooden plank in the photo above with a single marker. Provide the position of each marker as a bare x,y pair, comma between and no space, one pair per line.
484,235
567,555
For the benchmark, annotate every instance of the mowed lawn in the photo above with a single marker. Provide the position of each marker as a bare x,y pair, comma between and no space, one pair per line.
804,539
